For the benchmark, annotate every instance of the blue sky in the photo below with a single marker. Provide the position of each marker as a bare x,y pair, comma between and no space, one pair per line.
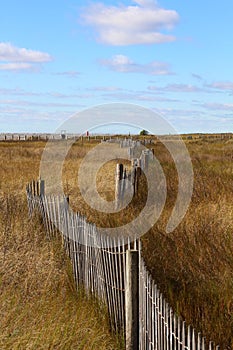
60,57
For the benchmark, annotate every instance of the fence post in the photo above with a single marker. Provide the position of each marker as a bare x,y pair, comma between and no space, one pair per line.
137,175
119,176
145,159
132,300
42,188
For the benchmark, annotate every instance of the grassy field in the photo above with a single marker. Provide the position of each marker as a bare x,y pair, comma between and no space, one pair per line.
193,266
39,307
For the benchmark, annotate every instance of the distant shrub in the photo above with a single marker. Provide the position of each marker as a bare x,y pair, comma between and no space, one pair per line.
144,132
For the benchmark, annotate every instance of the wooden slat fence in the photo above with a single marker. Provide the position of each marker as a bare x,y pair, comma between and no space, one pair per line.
99,265
55,137
128,179
98,262
160,328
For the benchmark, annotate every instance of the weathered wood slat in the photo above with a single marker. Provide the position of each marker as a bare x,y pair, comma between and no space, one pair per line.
99,264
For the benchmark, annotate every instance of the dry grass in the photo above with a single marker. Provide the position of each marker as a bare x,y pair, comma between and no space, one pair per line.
39,306
193,266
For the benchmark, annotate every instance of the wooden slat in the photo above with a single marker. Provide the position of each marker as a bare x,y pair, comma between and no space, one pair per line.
99,264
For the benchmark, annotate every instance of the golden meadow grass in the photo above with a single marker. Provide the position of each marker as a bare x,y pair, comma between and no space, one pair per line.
39,308
193,266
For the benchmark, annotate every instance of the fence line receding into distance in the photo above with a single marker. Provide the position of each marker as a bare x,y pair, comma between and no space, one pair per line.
100,266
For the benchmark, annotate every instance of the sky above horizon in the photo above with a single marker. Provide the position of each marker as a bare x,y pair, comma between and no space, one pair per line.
60,58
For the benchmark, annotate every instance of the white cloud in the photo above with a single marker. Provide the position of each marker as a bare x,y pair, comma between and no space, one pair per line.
36,104
123,64
18,92
176,88
17,66
53,94
70,74
9,52
183,88
136,96
105,88
14,58
218,106
221,85
128,25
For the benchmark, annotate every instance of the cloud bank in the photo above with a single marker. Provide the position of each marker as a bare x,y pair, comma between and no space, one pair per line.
141,23
123,64
13,58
